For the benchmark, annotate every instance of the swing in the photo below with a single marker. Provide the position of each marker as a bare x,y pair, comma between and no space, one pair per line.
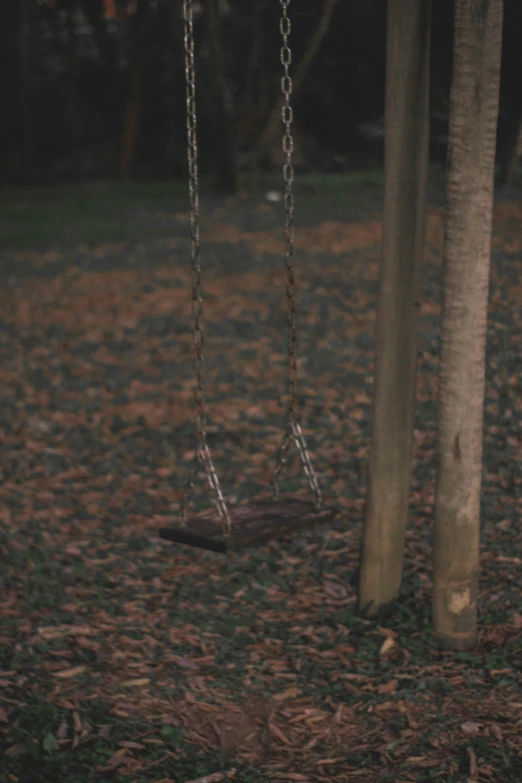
259,521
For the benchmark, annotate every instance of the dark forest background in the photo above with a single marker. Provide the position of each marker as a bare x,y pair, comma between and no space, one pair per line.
92,89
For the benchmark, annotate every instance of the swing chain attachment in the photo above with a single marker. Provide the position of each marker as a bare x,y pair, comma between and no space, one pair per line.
203,455
293,431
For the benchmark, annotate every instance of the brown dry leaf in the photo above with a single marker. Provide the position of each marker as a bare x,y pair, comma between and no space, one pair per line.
313,742
291,693
279,734
138,683
66,674
517,620
421,761
186,663
56,631
335,590
470,727
77,722
388,687
387,645
3,716
214,777
496,731
117,759
73,551
63,730
473,767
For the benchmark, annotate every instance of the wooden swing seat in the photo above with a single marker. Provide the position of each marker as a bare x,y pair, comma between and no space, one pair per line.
253,524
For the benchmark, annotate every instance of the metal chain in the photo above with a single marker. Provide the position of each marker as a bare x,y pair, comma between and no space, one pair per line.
293,428
202,452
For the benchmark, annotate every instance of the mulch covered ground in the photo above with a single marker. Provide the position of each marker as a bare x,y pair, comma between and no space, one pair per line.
263,657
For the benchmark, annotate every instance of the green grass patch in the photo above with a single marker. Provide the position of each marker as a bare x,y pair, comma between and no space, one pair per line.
91,212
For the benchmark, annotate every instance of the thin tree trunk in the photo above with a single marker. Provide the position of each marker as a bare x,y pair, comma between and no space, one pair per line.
467,245
406,170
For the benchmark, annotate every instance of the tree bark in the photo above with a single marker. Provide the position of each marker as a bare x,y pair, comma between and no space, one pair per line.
406,170
467,244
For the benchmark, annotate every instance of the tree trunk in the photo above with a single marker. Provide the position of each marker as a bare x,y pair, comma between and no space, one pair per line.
467,244
406,169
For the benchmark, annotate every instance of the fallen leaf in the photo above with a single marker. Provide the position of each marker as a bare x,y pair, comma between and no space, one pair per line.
387,645
388,687
279,734
77,722
117,759
335,590
63,730
473,767
65,674
291,693
214,777
49,632
138,683
73,551
471,728
186,663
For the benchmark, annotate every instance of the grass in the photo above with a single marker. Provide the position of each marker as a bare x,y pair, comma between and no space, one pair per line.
90,212
114,211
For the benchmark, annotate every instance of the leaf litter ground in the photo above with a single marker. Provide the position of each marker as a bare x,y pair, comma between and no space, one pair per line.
124,657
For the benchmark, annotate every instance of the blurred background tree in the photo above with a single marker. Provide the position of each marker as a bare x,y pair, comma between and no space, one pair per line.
95,88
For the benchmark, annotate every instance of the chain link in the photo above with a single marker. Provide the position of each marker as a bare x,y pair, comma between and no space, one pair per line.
203,455
293,431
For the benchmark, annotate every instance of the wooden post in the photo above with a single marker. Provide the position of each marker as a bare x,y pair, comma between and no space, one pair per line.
467,247
406,171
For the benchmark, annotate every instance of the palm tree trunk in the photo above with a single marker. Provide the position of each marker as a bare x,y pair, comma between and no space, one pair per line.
466,263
